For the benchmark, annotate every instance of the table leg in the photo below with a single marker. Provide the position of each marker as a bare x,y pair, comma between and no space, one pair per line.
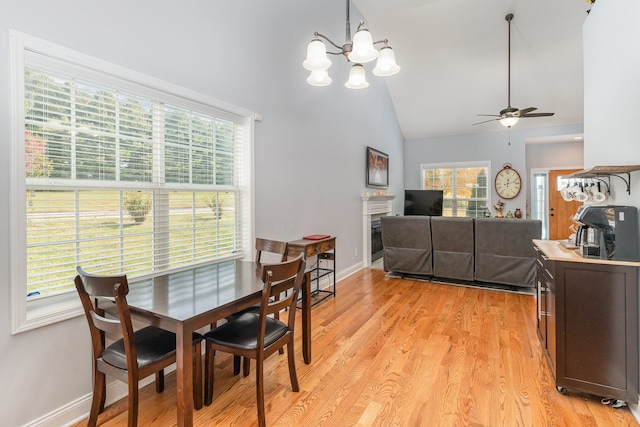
184,376
306,317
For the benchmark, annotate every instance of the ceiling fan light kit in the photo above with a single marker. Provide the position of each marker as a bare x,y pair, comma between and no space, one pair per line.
509,121
510,116
359,50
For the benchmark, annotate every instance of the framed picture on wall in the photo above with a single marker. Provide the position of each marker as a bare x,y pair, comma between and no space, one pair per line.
377,168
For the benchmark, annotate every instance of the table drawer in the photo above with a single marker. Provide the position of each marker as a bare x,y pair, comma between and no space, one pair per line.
310,248
321,247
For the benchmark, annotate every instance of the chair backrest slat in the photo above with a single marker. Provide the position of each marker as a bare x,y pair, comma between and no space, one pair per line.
272,246
283,278
112,326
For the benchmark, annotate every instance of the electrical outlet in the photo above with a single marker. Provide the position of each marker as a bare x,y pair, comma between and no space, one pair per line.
355,252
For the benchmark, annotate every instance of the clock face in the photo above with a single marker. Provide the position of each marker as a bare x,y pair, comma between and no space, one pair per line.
508,183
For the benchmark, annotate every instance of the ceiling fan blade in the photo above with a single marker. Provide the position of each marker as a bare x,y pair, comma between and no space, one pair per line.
527,110
510,112
538,115
486,121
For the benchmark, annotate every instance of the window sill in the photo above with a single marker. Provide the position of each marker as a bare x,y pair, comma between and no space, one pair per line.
46,311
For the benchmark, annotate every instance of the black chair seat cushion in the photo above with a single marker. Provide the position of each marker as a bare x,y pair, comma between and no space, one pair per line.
152,344
253,309
242,332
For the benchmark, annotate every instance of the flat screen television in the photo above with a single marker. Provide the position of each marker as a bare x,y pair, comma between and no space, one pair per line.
423,202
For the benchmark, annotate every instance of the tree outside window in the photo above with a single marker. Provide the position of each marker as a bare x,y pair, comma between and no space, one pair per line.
464,188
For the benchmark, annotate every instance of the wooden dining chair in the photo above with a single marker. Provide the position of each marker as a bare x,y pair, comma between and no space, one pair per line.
274,247
257,335
134,356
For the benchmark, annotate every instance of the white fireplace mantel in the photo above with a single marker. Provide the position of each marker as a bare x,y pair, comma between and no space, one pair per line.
373,207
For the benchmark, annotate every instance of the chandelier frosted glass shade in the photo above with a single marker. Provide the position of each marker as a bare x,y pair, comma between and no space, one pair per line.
386,65
316,56
362,50
357,78
319,78
358,50
509,121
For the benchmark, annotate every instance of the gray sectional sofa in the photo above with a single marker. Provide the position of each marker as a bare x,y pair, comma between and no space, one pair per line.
471,250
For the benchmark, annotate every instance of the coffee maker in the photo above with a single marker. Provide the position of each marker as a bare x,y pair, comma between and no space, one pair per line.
608,232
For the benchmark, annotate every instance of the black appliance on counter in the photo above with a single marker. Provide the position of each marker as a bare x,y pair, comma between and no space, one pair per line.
608,232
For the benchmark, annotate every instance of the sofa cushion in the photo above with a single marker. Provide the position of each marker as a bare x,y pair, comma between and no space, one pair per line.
407,244
453,244
504,251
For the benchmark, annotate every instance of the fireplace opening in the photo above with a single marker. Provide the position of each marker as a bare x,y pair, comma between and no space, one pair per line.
376,241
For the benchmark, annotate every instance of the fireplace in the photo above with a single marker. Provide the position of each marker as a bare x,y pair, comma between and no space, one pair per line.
373,207
376,241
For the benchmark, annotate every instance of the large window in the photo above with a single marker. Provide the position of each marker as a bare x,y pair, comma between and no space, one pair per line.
118,174
464,185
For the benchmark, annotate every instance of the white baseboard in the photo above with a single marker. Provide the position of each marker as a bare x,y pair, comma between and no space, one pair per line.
635,411
78,409
327,281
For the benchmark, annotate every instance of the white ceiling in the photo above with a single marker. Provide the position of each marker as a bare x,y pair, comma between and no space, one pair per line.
453,55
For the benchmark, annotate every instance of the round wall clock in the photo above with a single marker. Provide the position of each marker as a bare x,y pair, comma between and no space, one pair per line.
508,182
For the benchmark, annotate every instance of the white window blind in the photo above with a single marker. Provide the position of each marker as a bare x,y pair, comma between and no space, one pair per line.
122,177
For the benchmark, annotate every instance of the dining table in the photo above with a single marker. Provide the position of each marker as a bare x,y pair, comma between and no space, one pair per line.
188,300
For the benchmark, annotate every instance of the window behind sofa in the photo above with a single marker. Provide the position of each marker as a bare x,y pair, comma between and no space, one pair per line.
118,173
465,186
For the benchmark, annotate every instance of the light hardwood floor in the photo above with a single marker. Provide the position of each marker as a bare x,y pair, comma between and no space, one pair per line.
397,352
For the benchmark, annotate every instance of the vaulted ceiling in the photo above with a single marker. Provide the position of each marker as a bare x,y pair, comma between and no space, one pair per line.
453,55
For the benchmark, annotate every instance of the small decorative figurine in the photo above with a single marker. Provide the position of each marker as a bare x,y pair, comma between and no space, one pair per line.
499,206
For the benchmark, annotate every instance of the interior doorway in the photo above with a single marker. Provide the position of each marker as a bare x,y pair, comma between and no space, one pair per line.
561,212
548,206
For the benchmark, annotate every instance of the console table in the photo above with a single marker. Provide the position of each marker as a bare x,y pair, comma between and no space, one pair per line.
325,251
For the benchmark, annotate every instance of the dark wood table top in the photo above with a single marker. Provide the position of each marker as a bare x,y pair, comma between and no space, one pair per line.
221,287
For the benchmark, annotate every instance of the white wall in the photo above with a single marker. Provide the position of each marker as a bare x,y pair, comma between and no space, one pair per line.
487,146
612,90
560,155
309,150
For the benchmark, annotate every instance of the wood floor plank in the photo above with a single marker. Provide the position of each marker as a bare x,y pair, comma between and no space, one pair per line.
398,352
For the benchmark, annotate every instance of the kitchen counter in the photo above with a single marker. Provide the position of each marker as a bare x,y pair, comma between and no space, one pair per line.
588,321
555,251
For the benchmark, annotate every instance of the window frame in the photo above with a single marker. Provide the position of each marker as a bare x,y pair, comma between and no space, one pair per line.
458,165
27,315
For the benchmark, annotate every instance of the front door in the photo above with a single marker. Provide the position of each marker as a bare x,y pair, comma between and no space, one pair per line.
560,211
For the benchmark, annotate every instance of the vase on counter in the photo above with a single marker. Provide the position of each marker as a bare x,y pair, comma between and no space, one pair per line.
518,213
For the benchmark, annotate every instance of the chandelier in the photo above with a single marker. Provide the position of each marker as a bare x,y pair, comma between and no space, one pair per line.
360,50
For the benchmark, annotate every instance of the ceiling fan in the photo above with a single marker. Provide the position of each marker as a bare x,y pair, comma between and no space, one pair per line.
510,115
